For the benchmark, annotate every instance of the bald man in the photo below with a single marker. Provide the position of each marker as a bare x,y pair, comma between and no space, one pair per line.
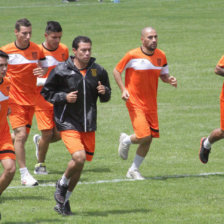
143,67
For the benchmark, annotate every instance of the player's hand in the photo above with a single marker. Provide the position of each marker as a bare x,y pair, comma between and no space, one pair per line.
101,88
173,81
125,95
39,71
72,97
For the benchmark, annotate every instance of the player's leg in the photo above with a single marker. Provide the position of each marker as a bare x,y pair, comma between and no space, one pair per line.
49,134
9,169
21,121
215,135
19,144
65,185
7,158
145,127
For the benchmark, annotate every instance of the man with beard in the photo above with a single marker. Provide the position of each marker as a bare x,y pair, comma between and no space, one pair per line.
143,67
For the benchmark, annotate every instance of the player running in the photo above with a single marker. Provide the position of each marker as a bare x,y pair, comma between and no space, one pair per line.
55,53
26,62
7,152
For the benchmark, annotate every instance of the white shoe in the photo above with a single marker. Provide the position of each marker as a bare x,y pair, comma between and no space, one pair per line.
134,174
28,180
123,148
36,140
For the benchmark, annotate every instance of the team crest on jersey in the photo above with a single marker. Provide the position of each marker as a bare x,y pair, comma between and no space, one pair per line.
159,61
34,55
94,72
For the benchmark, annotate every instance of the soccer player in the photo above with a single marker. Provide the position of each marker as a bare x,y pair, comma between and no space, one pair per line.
143,67
7,152
216,134
55,53
74,87
26,62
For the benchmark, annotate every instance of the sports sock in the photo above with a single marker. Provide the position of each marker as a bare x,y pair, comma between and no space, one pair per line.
64,180
23,171
137,162
127,140
207,144
67,196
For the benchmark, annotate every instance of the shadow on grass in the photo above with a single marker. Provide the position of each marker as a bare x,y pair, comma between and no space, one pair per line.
36,221
112,212
23,197
186,176
94,170
97,170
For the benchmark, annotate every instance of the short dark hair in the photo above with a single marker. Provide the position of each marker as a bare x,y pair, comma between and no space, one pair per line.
22,22
78,39
53,26
3,55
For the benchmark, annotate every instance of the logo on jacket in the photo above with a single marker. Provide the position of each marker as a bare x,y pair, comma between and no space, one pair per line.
94,72
34,55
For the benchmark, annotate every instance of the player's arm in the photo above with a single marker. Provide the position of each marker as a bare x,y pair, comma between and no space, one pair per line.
219,70
169,79
103,88
51,89
118,79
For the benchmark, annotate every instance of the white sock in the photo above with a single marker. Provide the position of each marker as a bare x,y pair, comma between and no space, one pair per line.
137,162
23,171
64,180
207,144
67,196
127,140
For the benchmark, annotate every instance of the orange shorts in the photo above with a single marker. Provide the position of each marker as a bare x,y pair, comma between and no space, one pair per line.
77,141
45,119
144,123
21,115
6,147
222,114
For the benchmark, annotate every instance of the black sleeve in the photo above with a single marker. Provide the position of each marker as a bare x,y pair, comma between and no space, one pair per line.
51,89
104,79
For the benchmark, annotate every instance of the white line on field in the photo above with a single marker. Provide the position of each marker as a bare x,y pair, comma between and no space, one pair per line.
126,180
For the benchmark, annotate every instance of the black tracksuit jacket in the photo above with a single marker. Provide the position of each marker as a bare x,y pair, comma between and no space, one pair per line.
65,78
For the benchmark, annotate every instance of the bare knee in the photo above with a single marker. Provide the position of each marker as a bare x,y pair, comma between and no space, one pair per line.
20,134
79,157
9,171
146,140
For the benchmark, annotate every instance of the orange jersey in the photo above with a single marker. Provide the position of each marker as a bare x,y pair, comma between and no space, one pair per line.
20,70
53,58
142,72
4,98
221,64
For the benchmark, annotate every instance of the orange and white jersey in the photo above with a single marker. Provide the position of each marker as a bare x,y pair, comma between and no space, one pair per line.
20,70
4,98
53,58
221,64
142,72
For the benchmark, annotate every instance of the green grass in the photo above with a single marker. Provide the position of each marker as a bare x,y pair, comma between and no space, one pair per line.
191,34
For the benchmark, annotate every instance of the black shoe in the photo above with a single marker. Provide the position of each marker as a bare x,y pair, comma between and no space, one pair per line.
67,209
59,208
60,192
203,153
63,209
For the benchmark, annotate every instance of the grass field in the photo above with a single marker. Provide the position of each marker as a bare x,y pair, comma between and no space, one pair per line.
191,33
